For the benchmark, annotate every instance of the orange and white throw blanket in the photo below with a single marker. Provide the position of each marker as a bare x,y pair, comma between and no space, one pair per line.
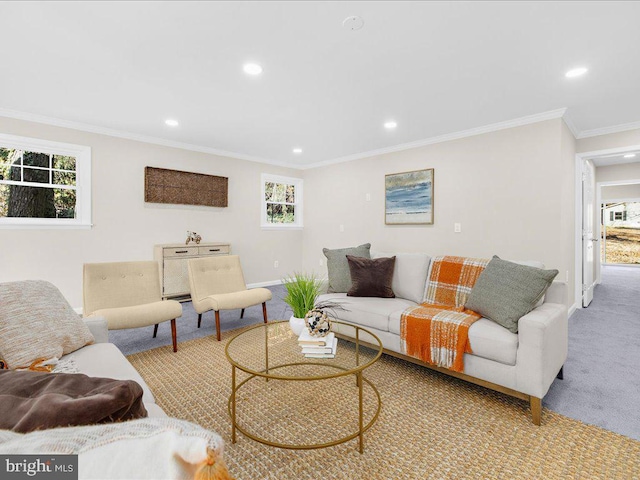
437,331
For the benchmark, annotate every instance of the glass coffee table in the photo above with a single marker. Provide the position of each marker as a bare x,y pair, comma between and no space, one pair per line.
318,402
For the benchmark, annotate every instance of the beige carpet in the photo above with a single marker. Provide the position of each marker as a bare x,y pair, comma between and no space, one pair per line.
431,426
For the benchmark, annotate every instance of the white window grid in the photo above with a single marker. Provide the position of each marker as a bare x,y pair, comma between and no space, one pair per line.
50,169
82,155
281,180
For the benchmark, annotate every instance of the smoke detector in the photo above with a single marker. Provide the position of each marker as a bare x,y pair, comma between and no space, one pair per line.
353,23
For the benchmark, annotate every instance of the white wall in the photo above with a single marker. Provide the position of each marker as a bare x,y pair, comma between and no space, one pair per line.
611,140
618,173
125,228
621,192
511,190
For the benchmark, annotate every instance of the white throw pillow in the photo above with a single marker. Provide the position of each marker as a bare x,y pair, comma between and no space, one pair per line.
149,448
37,322
409,275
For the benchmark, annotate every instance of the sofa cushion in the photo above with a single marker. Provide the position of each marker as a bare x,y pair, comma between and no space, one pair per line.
409,274
506,291
371,277
366,311
37,322
493,342
338,267
487,339
105,360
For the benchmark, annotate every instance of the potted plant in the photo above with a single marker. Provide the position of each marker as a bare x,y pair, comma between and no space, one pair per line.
302,291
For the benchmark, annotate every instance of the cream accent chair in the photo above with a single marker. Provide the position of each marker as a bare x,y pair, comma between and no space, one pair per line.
217,283
128,295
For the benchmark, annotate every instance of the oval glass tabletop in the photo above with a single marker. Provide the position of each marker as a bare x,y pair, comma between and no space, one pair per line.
272,350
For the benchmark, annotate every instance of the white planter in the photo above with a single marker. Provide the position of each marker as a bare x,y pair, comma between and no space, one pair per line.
296,324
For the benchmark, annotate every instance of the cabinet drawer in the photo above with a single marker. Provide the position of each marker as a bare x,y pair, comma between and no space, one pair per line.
214,250
180,251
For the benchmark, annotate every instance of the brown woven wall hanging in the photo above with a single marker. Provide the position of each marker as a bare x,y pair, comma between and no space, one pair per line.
184,188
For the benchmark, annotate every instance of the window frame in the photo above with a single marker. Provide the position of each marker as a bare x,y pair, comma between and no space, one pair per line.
298,204
82,155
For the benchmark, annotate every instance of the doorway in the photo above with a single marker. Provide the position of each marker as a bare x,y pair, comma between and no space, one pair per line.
607,216
620,226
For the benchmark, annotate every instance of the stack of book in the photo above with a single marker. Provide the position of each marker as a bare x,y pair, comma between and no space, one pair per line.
318,347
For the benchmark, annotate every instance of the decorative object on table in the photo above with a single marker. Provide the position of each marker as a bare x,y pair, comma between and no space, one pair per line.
318,347
409,198
317,322
193,237
184,188
302,291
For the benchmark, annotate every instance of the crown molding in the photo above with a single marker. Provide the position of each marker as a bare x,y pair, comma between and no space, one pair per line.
85,127
569,123
607,130
494,127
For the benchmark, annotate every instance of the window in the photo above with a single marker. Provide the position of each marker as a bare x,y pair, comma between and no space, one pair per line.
44,184
281,202
618,216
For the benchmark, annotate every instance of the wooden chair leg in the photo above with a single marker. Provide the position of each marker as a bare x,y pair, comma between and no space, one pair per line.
536,409
174,335
218,324
155,330
199,319
264,311
242,313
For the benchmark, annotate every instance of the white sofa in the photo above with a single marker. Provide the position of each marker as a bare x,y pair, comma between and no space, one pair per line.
104,359
522,365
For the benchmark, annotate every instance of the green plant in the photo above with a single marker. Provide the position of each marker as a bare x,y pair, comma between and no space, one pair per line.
302,291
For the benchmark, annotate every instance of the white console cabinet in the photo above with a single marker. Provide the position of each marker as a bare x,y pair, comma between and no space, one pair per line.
174,273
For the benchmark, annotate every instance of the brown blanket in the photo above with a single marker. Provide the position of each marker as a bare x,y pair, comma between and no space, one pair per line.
36,401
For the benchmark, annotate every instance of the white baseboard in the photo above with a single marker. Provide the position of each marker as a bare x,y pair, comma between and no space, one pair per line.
269,283
78,310
572,309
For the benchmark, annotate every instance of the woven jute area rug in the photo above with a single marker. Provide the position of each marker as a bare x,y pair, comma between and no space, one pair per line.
431,426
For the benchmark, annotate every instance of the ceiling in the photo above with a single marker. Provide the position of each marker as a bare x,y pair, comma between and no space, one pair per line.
618,159
433,67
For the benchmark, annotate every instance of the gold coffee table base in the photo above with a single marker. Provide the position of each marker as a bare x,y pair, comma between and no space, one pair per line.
263,350
363,428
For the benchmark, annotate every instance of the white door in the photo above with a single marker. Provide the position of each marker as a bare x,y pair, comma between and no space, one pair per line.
588,241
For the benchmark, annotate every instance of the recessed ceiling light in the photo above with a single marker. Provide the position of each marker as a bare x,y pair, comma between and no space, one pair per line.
576,72
252,69
297,150
353,23
171,122
390,125
630,155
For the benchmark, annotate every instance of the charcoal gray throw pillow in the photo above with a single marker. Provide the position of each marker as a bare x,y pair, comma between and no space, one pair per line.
506,291
371,277
338,267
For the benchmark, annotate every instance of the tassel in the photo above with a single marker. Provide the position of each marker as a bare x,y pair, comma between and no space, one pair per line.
36,367
213,468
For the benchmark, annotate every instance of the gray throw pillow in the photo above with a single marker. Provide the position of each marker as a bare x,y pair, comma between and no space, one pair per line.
338,266
506,291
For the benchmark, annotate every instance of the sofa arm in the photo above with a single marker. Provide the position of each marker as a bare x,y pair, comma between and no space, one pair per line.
556,293
98,328
542,348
